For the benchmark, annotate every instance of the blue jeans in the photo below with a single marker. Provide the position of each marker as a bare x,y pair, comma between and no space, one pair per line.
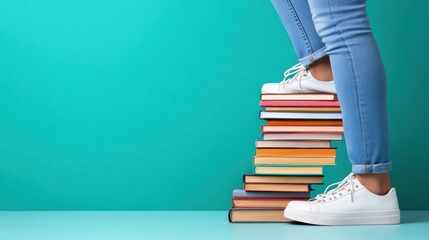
340,29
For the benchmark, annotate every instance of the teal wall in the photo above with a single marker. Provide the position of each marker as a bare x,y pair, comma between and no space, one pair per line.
148,105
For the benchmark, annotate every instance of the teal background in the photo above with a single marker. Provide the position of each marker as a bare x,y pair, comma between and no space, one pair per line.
153,105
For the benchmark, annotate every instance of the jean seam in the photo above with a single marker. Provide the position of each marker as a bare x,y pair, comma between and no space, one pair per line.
306,60
356,85
371,168
299,23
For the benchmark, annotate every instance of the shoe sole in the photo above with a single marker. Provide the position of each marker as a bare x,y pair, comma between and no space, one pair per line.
361,218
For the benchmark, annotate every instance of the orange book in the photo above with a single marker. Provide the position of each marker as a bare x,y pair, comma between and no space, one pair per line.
305,122
301,152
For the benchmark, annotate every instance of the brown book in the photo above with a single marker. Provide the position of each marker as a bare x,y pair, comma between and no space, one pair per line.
261,202
302,129
303,109
257,160
296,152
299,96
282,170
237,215
247,178
303,122
276,187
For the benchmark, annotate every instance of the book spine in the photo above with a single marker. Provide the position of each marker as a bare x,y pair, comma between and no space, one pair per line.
229,215
286,152
282,103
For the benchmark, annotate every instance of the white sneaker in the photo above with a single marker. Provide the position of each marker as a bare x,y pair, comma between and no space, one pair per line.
350,203
298,79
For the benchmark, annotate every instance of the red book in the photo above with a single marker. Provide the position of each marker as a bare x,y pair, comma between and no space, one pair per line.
299,103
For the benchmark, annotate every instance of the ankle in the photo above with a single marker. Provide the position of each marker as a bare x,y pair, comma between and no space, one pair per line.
377,183
321,69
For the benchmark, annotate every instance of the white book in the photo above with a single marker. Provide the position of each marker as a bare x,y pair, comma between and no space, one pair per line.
302,136
299,115
299,96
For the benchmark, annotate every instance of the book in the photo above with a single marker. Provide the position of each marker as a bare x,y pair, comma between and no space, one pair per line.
309,179
288,170
258,160
292,144
296,152
302,136
261,202
299,115
276,103
241,193
277,187
299,96
236,215
306,129
304,122
303,109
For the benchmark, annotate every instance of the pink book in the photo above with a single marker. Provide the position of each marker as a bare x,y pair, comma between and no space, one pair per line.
299,103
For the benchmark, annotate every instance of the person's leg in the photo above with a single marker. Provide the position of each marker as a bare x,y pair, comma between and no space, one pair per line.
311,51
365,195
313,71
296,18
360,81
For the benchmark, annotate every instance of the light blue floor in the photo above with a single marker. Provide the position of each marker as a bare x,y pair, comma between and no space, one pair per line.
189,225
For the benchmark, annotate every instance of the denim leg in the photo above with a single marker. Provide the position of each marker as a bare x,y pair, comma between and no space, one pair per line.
360,81
296,18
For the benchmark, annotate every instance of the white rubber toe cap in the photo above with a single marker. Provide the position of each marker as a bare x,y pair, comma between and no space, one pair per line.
270,88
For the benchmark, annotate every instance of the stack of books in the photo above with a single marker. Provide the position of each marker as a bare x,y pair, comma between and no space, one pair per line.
295,145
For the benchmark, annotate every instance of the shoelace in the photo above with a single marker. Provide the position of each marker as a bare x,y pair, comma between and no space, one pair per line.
344,185
293,74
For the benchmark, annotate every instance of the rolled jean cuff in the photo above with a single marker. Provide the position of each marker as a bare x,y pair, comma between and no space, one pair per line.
309,59
372,168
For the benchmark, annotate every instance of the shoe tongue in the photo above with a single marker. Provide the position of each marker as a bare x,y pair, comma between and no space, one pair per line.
353,179
309,73
356,181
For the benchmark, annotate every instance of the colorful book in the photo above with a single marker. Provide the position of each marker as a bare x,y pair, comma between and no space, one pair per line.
299,115
301,129
269,160
261,202
288,170
275,103
303,109
302,136
277,187
241,193
292,144
304,122
296,152
289,159
248,215
309,179
299,96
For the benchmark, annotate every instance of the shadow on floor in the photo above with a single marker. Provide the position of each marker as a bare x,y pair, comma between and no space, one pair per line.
406,218
414,217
